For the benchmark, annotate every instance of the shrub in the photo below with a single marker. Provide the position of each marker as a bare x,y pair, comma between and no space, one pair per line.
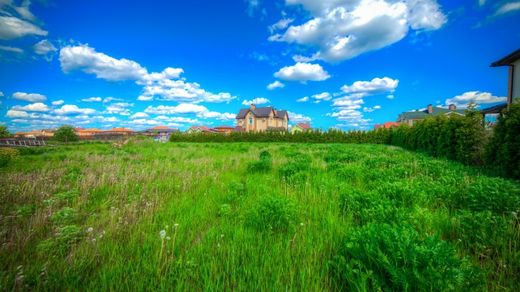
396,258
7,154
503,150
264,164
273,213
489,194
65,134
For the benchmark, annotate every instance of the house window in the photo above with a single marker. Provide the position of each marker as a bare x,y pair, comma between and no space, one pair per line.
250,121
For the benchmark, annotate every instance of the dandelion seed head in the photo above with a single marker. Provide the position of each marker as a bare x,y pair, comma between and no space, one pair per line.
162,234
90,229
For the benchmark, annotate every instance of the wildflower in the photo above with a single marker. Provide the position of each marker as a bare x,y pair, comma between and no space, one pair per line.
168,238
162,233
90,229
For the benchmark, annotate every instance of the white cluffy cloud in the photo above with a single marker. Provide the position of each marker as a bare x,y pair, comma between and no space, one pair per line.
298,118
92,99
165,85
374,86
122,108
72,109
342,29
189,108
303,72
33,107
58,102
30,97
258,100
303,99
348,108
275,84
474,96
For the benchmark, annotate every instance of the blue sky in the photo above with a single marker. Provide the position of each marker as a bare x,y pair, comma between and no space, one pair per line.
336,63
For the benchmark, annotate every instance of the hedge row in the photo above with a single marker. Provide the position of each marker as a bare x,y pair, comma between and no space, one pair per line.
380,136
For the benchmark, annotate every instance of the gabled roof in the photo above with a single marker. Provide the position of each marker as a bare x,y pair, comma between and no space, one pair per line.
437,111
261,112
507,60
494,109
303,126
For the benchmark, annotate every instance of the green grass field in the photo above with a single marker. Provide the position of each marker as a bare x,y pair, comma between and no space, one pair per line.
246,216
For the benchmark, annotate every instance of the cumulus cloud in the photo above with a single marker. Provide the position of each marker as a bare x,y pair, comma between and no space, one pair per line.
165,85
298,118
374,86
303,99
58,102
303,72
189,108
275,84
92,99
342,29
258,100
30,97
72,109
324,96
121,108
33,107
44,47
474,96
139,115
86,59
16,114
371,109
12,27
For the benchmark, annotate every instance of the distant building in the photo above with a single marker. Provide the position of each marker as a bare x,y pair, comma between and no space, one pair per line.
257,119
200,129
85,133
412,117
44,133
387,125
224,129
513,82
159,131
513,62
301,127
119,131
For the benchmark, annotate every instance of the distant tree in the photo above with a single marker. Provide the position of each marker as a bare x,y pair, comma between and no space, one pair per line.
65,134
4,133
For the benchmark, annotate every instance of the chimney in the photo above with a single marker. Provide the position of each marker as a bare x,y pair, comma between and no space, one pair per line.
252,107
452,107
430,109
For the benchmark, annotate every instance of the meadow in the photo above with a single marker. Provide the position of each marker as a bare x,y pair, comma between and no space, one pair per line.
253,216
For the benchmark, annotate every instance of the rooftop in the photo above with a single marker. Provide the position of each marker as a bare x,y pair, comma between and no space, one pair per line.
507,60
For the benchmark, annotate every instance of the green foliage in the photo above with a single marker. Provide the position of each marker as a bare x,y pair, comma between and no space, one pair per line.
274,214
379,136
4,133
263,164
7,154
396,258
65,134
62,240
64,216
503,151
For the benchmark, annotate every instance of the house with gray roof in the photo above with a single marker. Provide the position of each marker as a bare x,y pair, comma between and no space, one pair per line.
257,119
412,117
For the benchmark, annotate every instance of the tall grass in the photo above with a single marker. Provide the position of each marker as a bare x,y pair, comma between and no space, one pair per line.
253,216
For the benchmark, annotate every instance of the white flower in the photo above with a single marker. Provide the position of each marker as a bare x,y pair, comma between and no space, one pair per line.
168,238
90,229
162,233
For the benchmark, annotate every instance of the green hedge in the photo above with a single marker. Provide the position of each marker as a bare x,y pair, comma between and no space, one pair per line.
502,153
380,136
460,138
